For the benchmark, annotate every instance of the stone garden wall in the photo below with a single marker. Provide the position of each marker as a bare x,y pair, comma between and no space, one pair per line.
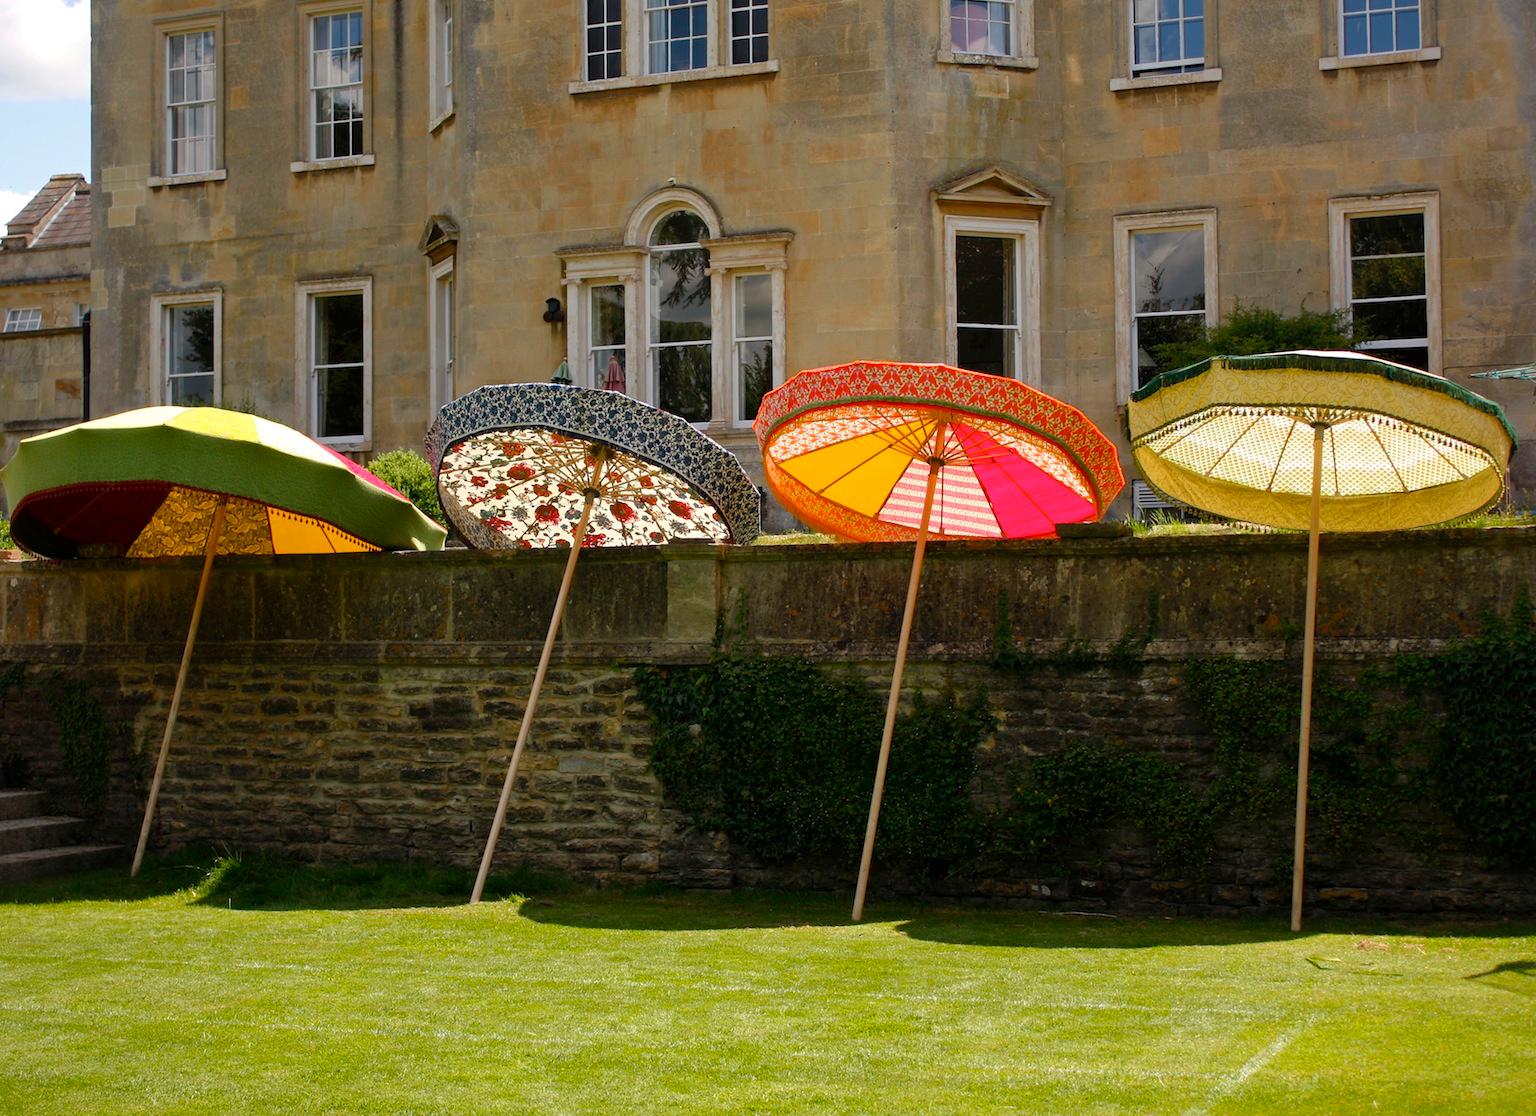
363,707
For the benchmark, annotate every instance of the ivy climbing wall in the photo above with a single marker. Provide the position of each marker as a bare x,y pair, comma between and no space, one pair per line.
1102,724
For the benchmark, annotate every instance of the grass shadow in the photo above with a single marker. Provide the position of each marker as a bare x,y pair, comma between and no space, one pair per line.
1518,977
677,910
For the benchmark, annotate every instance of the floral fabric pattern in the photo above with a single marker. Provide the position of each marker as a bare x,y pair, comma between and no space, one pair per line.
514,462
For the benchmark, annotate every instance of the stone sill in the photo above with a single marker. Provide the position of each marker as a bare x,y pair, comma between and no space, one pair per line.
155,181
1349,62
304,167
47,331
1000,61
438,121
642,81
1163,81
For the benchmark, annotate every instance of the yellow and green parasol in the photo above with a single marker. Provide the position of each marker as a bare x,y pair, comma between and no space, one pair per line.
1319,440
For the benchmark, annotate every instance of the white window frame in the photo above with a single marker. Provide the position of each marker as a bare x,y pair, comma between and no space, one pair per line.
211,102
305,379
1418,7
1126,226
1162,68
715,274
623,267
160,158
1130,77
311,90
443,330
23,319
1022,56
1427,51
160,306
441,56
1341,276
635,68
711,46
1026,234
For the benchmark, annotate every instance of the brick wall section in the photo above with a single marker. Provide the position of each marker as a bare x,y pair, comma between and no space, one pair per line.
364,707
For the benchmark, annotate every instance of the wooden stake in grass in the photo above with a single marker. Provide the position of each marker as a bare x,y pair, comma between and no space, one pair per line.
935,463
590,494
181,680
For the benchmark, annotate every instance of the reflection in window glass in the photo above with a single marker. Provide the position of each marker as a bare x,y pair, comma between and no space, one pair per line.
1388,288
676,35
987,332
754,341
338,369
1167,36
680,334
981,26
336,85
749,31
189,368
605,39
1380,26
607,340
189,100
1168,293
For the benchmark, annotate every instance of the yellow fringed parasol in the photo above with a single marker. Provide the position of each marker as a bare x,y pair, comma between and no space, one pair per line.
1319,441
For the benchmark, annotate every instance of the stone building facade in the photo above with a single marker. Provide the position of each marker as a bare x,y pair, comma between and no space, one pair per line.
45,281
349,211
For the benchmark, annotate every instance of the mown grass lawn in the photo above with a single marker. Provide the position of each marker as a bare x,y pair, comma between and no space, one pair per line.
358,991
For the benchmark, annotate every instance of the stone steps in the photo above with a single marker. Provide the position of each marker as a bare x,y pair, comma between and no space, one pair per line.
16,867
34,844
16,804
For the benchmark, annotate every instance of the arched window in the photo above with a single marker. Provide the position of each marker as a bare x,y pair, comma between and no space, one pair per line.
680,337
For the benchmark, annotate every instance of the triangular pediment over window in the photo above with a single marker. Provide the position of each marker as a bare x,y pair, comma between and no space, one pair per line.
440,237
992,187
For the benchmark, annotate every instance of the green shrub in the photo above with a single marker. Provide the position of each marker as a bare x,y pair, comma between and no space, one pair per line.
411,476
6,542
1252,329
779,754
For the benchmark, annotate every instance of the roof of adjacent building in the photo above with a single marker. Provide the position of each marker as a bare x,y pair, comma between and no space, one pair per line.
58,216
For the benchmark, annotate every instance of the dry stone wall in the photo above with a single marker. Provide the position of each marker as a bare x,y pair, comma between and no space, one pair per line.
363,708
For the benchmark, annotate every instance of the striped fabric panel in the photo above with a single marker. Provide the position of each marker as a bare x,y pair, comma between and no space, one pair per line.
960,507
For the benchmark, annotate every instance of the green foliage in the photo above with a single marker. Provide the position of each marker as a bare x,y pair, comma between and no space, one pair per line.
6,542
780,755
1486,766
1089,786
1252,329
87,737
410,475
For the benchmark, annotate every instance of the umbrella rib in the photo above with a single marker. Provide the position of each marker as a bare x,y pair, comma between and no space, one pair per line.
1390,463
1430,442
852,469
1290,432
1223,455
1333,447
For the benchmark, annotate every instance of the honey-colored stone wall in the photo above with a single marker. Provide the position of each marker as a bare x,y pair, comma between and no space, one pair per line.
364,707
843,146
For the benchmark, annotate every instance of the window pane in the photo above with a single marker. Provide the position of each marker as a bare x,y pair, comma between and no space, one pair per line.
191,340
339,329
608,315
680,295
339,402
1407,31
1384,236
608,370
1414,356
754,306
191,391
755,360
984,280
683,379
1354,34
1169,270
1389,321
1194,38
681,227
1381,278
1381,32
1152,332
985,350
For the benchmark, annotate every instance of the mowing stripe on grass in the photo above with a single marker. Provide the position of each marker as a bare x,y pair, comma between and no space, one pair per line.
1235,1081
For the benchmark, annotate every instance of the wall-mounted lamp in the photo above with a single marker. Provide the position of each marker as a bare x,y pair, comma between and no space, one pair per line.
552,311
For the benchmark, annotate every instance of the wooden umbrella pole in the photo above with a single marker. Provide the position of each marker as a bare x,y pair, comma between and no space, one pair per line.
181,680
1309,638
538,680
935,463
